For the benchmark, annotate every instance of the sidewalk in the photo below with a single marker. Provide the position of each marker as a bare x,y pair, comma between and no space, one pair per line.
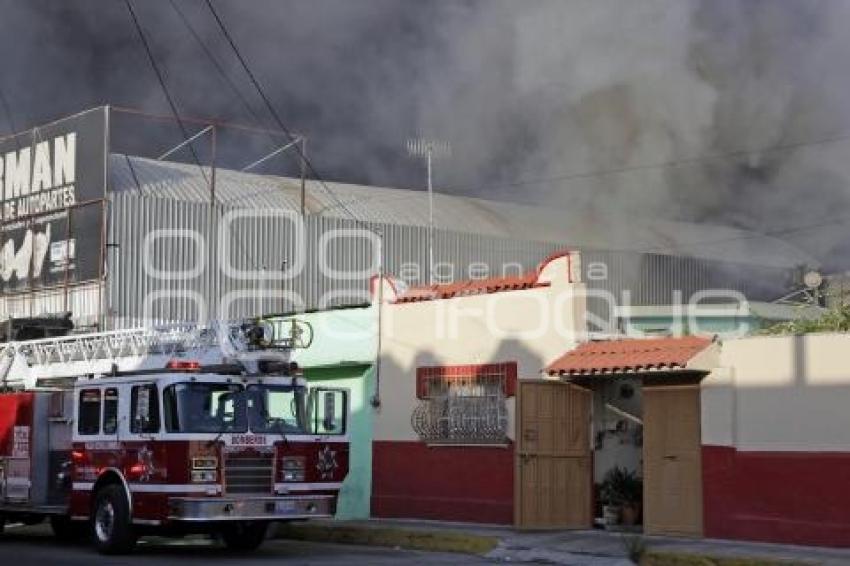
579,548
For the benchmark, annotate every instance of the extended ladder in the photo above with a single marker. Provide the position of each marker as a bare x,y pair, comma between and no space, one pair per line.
30,364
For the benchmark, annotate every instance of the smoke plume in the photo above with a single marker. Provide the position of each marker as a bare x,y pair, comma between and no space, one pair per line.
659,108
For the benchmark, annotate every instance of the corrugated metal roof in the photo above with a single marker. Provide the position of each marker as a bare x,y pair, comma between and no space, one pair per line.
629,356
185,182
760,309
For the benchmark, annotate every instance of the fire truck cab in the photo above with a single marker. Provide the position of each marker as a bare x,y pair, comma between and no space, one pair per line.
182,449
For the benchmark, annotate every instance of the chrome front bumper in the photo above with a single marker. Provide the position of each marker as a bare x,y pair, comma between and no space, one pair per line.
250,508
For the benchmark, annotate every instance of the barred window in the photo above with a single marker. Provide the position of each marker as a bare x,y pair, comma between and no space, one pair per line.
463,404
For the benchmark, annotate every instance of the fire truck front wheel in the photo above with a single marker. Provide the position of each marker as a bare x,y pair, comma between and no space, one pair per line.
111,525
244,535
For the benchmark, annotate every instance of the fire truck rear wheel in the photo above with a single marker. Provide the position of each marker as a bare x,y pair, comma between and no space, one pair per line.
111,525
244,535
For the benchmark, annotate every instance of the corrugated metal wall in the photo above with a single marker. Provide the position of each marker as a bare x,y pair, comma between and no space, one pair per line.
157,270
176,282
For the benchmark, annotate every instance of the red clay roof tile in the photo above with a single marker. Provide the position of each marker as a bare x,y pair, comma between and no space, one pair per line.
528,280
629,356
470,287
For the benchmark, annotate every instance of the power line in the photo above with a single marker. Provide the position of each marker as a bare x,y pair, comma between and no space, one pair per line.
232,85
671,163
176,115
8,112
163,86
218,67
313,172
752,236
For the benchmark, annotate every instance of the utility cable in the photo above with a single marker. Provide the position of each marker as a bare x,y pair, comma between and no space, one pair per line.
376,398
176,115
164,88
9,119
219,68
673,163
752,236
313,172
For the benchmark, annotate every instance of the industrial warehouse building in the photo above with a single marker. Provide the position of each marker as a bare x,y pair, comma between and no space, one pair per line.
159,241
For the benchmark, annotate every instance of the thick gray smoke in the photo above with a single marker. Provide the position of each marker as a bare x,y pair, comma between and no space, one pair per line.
532,95
606,86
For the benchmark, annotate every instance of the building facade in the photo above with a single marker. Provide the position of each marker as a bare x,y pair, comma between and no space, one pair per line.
450,361
742,439
775,442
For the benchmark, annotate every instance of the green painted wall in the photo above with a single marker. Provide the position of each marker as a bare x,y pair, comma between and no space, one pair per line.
359,380
341,354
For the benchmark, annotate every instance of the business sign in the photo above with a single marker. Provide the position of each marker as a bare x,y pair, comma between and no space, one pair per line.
52,186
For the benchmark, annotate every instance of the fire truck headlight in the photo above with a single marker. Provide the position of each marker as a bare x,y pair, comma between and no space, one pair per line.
293,475
204,463
204,476
292,468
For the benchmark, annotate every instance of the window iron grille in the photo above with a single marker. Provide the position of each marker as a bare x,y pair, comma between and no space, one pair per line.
462,410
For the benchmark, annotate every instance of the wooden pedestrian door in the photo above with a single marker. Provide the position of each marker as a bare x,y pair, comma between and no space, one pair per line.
671,461
553,456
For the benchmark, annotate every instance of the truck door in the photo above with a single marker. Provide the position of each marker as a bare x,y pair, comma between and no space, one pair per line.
328,418
59,465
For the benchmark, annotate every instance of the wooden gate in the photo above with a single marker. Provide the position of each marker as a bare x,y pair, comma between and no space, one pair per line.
671,461
553,456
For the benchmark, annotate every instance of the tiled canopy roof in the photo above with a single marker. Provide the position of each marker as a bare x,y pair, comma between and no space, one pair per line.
629,356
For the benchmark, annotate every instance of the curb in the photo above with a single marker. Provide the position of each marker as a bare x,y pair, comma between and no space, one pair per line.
674,558
435,540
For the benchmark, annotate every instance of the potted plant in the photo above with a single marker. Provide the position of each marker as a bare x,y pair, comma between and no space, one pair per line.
631,494
622,490
611,507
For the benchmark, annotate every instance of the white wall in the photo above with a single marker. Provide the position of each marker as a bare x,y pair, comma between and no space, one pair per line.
531,327
780,393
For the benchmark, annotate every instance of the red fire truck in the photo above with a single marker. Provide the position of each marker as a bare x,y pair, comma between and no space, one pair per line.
128,433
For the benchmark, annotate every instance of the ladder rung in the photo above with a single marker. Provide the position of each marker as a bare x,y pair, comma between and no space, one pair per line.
98,351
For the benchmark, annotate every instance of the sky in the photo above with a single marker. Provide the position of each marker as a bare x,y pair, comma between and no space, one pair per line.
720,111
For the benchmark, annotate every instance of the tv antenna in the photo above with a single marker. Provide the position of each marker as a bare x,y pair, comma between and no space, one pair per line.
809,284
429,150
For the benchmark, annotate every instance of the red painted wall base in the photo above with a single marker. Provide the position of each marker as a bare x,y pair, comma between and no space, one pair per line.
788,497
450,483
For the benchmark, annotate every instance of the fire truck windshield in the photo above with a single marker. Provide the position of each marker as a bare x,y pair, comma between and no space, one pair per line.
205,407
199,407
277,409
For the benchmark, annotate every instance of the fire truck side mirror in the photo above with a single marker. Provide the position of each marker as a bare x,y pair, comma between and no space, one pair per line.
330,410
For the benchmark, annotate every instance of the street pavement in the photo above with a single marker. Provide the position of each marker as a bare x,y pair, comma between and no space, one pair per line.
21,546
